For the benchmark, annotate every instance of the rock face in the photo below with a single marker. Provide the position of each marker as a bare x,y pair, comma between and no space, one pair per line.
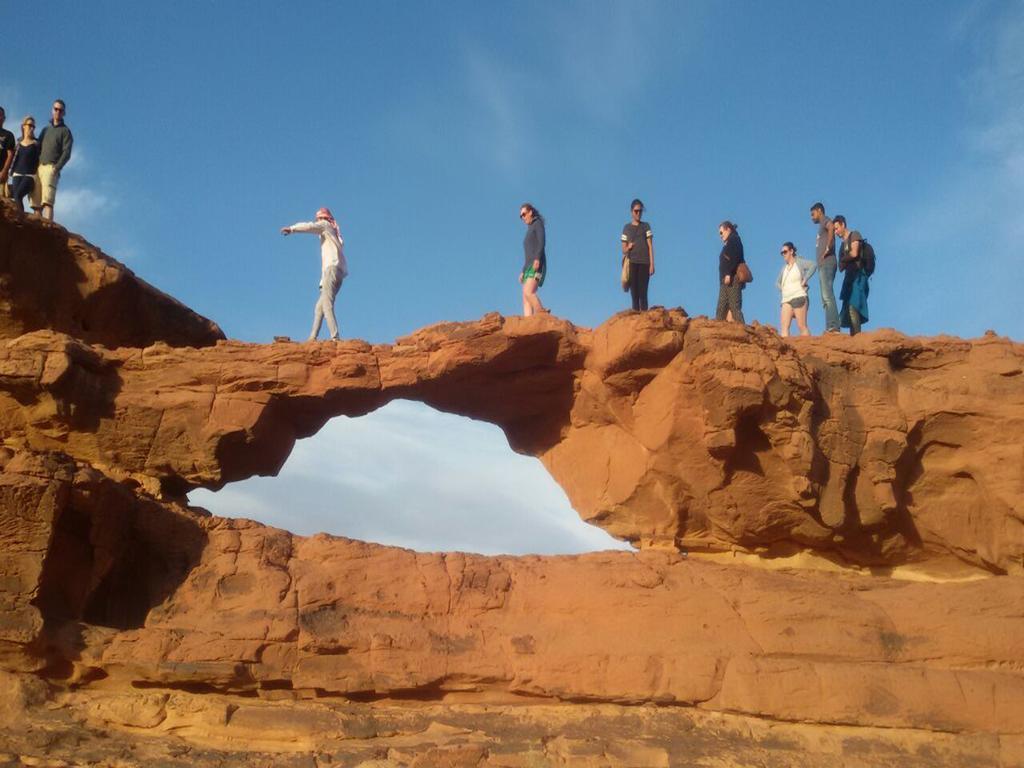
665,430
136,628
50,278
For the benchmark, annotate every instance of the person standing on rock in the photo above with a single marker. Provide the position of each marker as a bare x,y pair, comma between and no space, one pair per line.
825,250
333,268
26,164
854,293
792,283
638,247
6,154
535,262
55,151
730,297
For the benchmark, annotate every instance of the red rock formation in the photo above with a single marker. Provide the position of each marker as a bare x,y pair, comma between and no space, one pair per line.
136,628
53,279
664,430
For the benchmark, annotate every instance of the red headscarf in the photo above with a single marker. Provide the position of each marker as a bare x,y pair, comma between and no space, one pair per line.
325,213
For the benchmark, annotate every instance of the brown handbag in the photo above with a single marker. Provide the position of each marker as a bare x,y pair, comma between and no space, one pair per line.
743,274
625,273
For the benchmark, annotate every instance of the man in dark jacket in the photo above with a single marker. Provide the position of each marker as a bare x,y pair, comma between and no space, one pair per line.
54,154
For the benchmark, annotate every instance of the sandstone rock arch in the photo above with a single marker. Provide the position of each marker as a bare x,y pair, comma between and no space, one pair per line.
125,614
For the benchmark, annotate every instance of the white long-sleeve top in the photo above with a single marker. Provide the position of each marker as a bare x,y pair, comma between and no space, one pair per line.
332,253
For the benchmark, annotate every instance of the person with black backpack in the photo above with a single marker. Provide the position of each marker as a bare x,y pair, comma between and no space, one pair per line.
857,263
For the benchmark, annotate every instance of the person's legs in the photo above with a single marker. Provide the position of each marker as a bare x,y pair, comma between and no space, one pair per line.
854,321
530,297
801,318
36,201
634,286
527,304
827,279
329,291
318,318
318,315
21,186
643,279
48,178
723,302
735,298
785,318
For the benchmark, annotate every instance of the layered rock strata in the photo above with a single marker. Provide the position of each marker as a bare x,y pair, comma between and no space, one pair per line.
665,430
136,628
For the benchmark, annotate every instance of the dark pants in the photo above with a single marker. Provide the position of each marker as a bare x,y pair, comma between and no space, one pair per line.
639,279
20,187
730,298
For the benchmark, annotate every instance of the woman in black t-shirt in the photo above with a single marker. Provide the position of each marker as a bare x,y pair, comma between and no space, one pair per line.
26,163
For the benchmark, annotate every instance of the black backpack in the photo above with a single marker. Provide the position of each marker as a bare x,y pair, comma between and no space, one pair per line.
867,258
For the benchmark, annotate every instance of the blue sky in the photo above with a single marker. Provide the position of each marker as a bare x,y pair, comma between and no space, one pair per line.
202,128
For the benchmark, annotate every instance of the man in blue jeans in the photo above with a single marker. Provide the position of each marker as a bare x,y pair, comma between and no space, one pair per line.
825,249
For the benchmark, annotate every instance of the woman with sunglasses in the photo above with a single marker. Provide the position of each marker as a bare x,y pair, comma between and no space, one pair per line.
730,296
25,165
638,247
535,263
792,283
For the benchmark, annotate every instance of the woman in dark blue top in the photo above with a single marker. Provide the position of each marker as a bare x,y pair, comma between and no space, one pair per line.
730,298
26,163
535,262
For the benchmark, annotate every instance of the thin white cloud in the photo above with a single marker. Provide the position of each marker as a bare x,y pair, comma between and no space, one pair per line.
410,476
498,92
77,207
997,130
981,198
607,55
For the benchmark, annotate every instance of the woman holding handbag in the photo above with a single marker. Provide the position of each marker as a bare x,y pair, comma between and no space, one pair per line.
638,252
730,286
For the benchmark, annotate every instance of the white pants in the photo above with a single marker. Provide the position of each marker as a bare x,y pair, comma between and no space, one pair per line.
330,282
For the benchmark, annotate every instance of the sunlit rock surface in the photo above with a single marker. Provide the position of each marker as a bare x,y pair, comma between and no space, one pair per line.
830,537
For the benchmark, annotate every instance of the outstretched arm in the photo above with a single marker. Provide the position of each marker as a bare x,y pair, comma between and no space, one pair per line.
305,226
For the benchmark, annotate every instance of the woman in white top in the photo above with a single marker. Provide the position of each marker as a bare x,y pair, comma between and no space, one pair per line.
792,283
333,267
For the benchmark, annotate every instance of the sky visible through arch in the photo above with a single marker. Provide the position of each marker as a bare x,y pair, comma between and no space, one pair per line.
202,128
410,476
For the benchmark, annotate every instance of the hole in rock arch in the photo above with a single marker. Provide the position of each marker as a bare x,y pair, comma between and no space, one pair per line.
410,476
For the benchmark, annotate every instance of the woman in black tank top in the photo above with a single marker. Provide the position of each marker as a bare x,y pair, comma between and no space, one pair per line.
26,163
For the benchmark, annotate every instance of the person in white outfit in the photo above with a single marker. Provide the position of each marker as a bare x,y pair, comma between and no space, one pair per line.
333,267
792,283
